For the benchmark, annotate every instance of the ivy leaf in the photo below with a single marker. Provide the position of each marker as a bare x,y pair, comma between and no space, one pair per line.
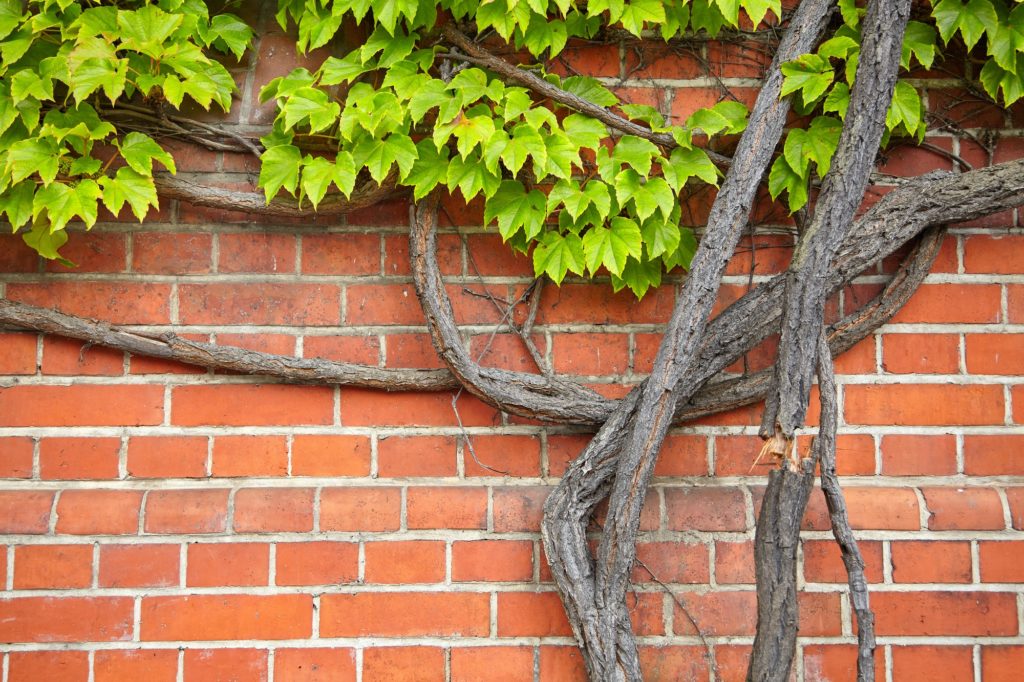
637,12
635,151
16,203
132,187
34,155
45,242
146,29
317,176
10,16
139,151
919,42
516,209
584,131
279,168
660,236
724,117
334,71
639,276
611,247
557,254
704,14
561,155
683,164
525,141
653,195
544,34
231,33
627,184
62,203
470,132
838,100
784,178
810,74
379,155
471,177
905,108
590,89
683,254
757,9
93,74
470,83
431,168
599,197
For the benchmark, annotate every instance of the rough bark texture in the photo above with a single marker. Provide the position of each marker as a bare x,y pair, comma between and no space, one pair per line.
842,192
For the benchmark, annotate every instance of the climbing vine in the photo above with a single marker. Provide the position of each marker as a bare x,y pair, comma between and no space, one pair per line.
466,98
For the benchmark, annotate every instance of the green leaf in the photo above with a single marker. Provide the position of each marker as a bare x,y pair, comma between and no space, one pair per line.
231,33
557,254
317,176
918,41
334,71
598,195
838,100
639,276
810,74
45,242
611,247
93,74
471,84
660,236
784,178
471,177
724,117
584,131
132,187
279,168
757,9
34,155
379,155
472,131
635,151
545,34
590,89
516,209
682,256
683,164
146,29
653,195
139,151
525,141
16,203
905,108
63,203
10,16
431,168
310,105
561,156
638,12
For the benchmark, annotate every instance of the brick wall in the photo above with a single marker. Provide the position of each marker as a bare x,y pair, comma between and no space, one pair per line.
163,522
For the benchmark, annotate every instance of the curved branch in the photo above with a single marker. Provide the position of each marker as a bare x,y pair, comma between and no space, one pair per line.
172,347
542,87
195,193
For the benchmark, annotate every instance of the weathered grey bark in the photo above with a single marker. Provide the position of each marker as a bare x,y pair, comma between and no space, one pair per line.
841,194
825,453
594,594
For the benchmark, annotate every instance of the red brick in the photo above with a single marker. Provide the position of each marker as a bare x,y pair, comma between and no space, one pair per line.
81,405
260,303
227,564
15,256
492,561
734,562
186,511
995,354
212,665
115,302
99,512
163,253
924,404
823,563
592,59
882,508
414,350
914,455
858,360
590,354
66,619
437,507
139,565
18,353
46,567
671,562
405,562
25,511
314,665
330,456
962,107
212,617
951,304
16,457
255,252
404,664
1000,254
78,458
274,510
706,509
739,456
1015,496
595,304
383,304
1001,663
922,663
1018,404
650,513
73,358
513,664
363,407
907,161
717,613
316,563
562,449
819,614
689,100
945,613
921,353
1015,302
250,456
52,666
360,509
519,508
964,509
489,256
379,614
361,350
855,455
931,562
681,455
994,455
531,614
167,456
506,455
1001,562
153,665
564,663
673,662
825,662
399,456
217,405
341,254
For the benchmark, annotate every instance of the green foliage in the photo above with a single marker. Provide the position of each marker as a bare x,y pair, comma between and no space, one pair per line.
61,64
